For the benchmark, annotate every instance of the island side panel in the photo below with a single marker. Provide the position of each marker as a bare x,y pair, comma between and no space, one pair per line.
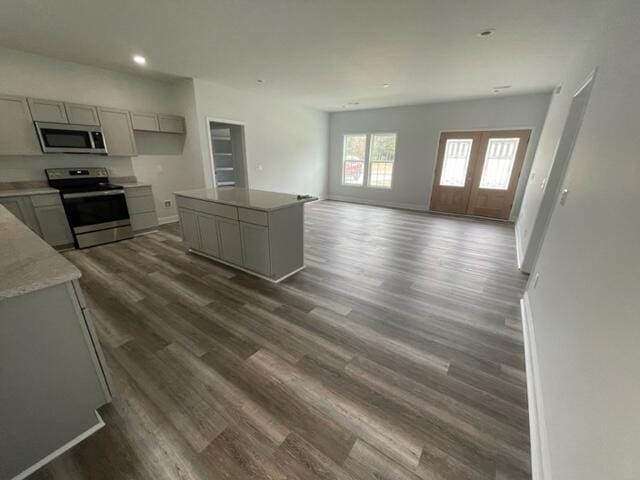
49,389
286,239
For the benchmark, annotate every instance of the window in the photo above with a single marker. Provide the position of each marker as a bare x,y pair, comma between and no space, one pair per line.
368,156
498,163
353,158
381,157
456,162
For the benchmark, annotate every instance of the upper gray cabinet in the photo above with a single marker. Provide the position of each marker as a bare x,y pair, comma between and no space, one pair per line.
118,132
82,114
17,133
171,123
147,122
47,110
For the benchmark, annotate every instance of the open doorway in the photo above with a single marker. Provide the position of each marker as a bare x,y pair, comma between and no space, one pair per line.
228,153
477,172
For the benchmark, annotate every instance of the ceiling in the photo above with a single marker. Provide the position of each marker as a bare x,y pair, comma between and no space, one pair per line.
321,53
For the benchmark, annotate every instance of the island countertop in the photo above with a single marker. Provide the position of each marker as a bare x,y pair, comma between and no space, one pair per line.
246,198
28,263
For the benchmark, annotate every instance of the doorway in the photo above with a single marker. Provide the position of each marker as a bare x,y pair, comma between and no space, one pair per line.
228,156
477,172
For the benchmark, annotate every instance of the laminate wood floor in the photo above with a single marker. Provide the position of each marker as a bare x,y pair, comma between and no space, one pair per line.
396,354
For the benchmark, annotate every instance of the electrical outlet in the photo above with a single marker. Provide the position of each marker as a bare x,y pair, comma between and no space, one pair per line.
168,203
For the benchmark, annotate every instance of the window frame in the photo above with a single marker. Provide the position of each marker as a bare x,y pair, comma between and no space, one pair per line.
367,160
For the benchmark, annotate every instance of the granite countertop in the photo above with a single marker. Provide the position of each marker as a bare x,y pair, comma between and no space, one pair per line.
16,192
28,263
247,198
132,184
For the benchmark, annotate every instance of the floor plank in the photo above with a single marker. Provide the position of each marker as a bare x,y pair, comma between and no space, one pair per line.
396,354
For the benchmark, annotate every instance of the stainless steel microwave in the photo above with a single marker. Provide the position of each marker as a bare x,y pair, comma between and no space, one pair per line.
65,138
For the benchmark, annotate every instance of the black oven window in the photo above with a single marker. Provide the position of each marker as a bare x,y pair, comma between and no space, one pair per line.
66,138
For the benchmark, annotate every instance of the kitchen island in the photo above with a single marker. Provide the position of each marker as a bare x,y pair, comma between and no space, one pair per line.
256,231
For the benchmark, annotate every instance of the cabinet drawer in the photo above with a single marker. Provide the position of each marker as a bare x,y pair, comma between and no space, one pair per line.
141,191
257,217
140,204
217,209
143,221
47,200
145,121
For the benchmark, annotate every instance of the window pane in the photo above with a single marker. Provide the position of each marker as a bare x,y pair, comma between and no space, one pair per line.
456,162
381,158
498,163
355,147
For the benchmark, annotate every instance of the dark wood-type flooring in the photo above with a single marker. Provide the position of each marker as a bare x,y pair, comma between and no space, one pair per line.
396,354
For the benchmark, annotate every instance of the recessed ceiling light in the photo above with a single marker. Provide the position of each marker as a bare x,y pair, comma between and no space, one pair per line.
139,59
260,80
487,32
386,85
353,103
502,87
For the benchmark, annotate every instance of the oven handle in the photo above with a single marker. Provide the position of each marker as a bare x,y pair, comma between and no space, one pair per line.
93,194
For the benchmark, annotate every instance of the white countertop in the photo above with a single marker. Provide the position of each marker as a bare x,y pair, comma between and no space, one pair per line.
247,198
17,192
28,263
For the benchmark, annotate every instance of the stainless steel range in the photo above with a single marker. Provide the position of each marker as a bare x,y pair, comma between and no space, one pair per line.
96,209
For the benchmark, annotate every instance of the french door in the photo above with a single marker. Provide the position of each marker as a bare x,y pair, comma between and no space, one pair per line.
477,172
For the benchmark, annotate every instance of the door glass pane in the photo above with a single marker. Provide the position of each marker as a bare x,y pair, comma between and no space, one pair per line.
498,163
355,147
456,161
381,158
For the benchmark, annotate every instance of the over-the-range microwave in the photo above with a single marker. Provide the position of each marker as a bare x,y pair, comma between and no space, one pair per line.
65,138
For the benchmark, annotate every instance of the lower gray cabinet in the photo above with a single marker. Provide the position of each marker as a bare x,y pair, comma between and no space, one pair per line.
255,246
22,208
53,225
189,226
208,231
230,242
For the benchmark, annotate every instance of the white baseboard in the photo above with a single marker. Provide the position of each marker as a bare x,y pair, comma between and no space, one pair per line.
169,219
378,203
518,246
67,446
540,457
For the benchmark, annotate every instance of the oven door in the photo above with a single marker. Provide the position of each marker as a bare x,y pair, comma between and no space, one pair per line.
91,211
61,138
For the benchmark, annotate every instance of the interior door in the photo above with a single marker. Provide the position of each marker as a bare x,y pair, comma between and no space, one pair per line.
496,173
454,171
477,172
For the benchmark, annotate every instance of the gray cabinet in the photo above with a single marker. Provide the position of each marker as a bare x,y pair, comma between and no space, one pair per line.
22,208
17,133
82,114
171,123
208,234
189,226
147,122
142,208
53,225
118,132
47,110
230,243
255,248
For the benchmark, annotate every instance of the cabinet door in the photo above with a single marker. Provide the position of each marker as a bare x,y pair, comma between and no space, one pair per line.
53,225
47,110
208,234
230,242
82,114
21,207
118,133
189,226
145,121
171,123
255,248
17,133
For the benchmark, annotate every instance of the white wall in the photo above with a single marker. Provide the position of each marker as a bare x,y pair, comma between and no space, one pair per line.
585,309
286,144
418,129
37,76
